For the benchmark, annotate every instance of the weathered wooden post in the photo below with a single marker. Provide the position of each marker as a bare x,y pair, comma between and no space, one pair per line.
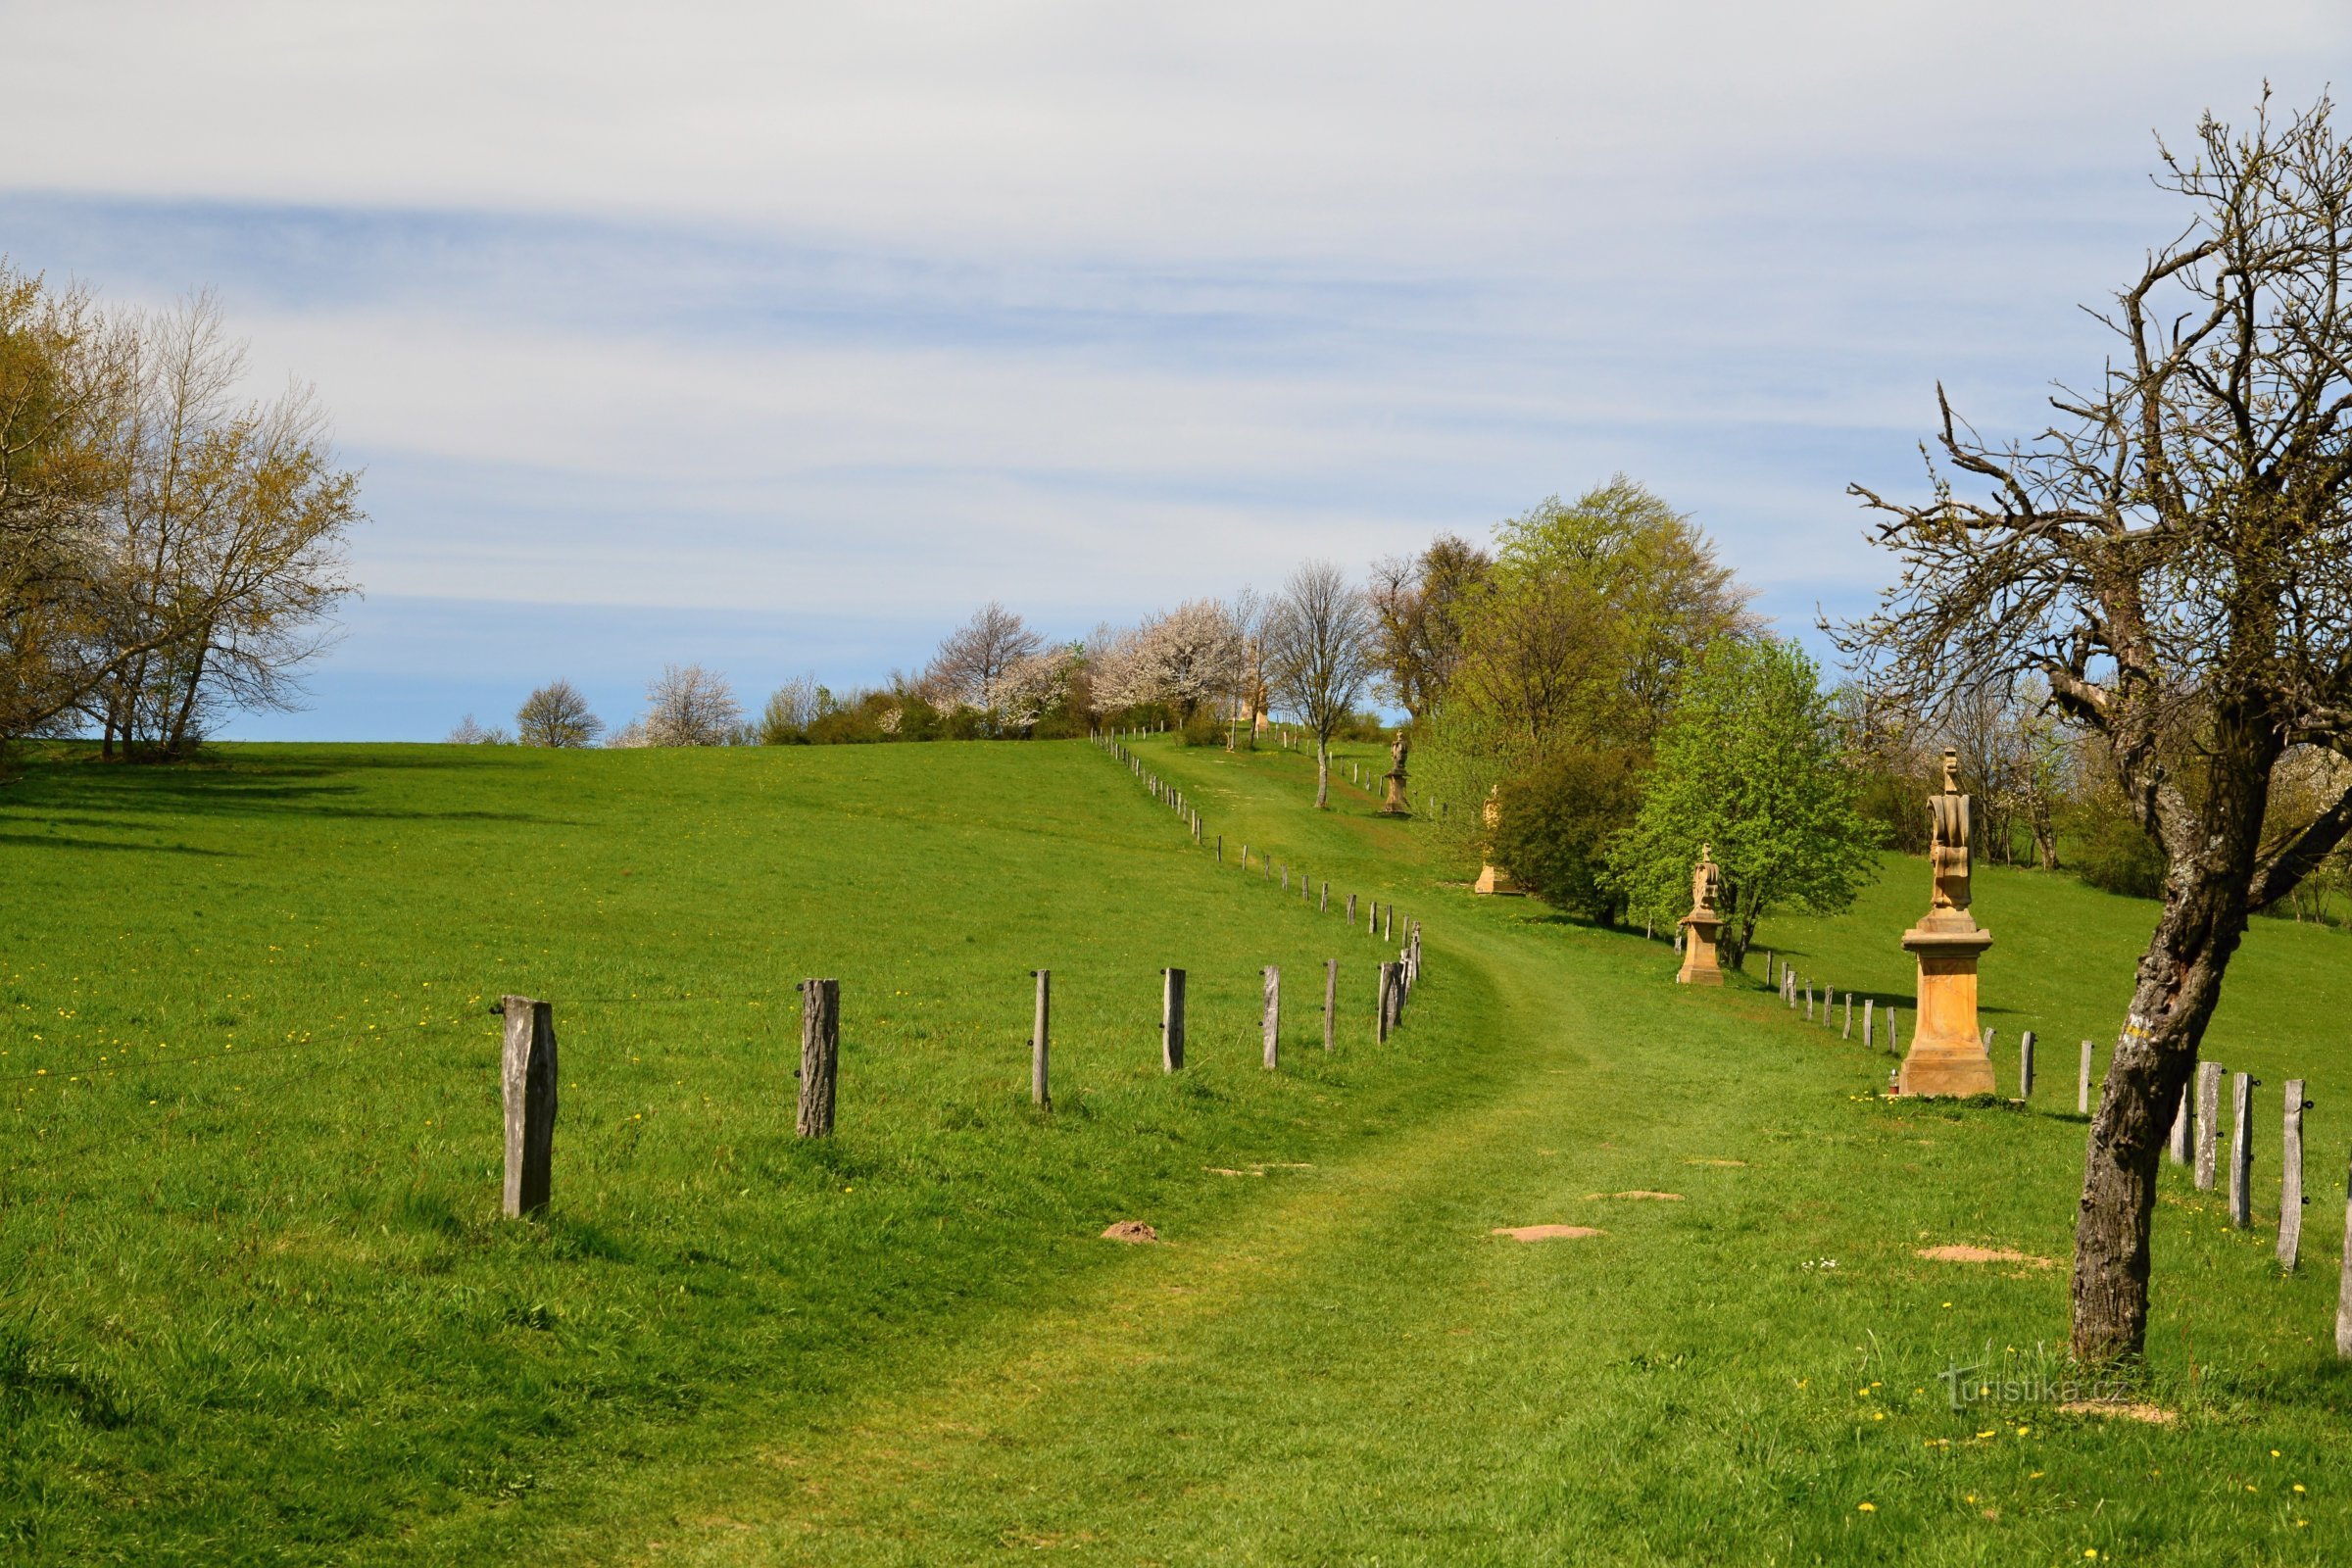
1285,878
1847,1033
1389,924
1870,1038
1325,907
1894,1043
527,1090
1039,1093
1330,1003
2242,1150
821,1056
1273,1025
2290,1176
2209,1120
1220,849
1809,1001
2082,1083
1388,978
2182,1120
2025,1065
1372,919
1171,1020
2344,1293
1351,909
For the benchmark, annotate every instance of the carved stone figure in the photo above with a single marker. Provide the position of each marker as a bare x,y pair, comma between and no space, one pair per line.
1396,805
1493,878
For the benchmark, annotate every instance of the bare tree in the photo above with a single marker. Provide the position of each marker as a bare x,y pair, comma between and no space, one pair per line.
1319,657
1419,606
972,659
2174,556
558,715
690,706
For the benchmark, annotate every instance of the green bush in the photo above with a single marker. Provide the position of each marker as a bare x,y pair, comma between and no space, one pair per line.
1554,824
2112,850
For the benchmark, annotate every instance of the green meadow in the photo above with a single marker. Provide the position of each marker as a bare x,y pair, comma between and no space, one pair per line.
257,1304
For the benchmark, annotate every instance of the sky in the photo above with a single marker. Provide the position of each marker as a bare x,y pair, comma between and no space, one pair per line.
778,337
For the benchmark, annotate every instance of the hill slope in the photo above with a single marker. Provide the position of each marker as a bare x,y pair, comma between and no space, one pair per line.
274,1306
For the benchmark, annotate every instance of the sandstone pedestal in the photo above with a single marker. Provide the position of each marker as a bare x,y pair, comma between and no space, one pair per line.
1699,967
1947,1054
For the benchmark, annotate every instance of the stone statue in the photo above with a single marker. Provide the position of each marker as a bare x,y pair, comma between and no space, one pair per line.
1947,1054
1701,926
1947,849
1706,881
1396,805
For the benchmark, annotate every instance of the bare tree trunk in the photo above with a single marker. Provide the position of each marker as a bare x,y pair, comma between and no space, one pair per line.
1322,772
174,744
2180,983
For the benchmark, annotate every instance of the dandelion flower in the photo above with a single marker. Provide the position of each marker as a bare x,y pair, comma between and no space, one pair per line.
1865,1507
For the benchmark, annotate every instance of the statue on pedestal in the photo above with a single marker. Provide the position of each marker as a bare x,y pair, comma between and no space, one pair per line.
1493,878
1947,1054
1702,923
1395,804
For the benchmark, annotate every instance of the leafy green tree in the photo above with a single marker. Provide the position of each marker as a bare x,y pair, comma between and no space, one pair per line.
1555,823
1749,764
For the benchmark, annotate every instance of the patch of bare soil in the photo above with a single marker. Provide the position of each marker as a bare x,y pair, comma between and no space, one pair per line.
1740,1162
1131,1230
1546,1233
2155,1415
1961,1253
1664,1197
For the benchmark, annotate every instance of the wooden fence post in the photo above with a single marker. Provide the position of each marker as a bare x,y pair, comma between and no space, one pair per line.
527,1090
1273,978
2209,1119
1894,1044
1171,1020
2343,1296
1351,909
2242,1150
1809,1001
1325,907
1389,924
1331,1001
1372,919
1039,1039
1870,1038
1388,978
1849,1032
821,1056
2025,1065
1220,849
2182,1120
2082,1083
2290,1176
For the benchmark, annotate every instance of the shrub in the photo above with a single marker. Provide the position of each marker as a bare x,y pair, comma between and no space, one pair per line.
1554,824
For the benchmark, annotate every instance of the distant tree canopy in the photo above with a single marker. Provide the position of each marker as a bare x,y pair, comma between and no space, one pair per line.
167,553
1420,610
557,715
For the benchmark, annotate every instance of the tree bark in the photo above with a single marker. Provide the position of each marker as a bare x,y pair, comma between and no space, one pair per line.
2179,985
1322,772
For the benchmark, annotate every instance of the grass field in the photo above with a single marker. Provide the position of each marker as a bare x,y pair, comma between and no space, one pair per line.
259,1307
